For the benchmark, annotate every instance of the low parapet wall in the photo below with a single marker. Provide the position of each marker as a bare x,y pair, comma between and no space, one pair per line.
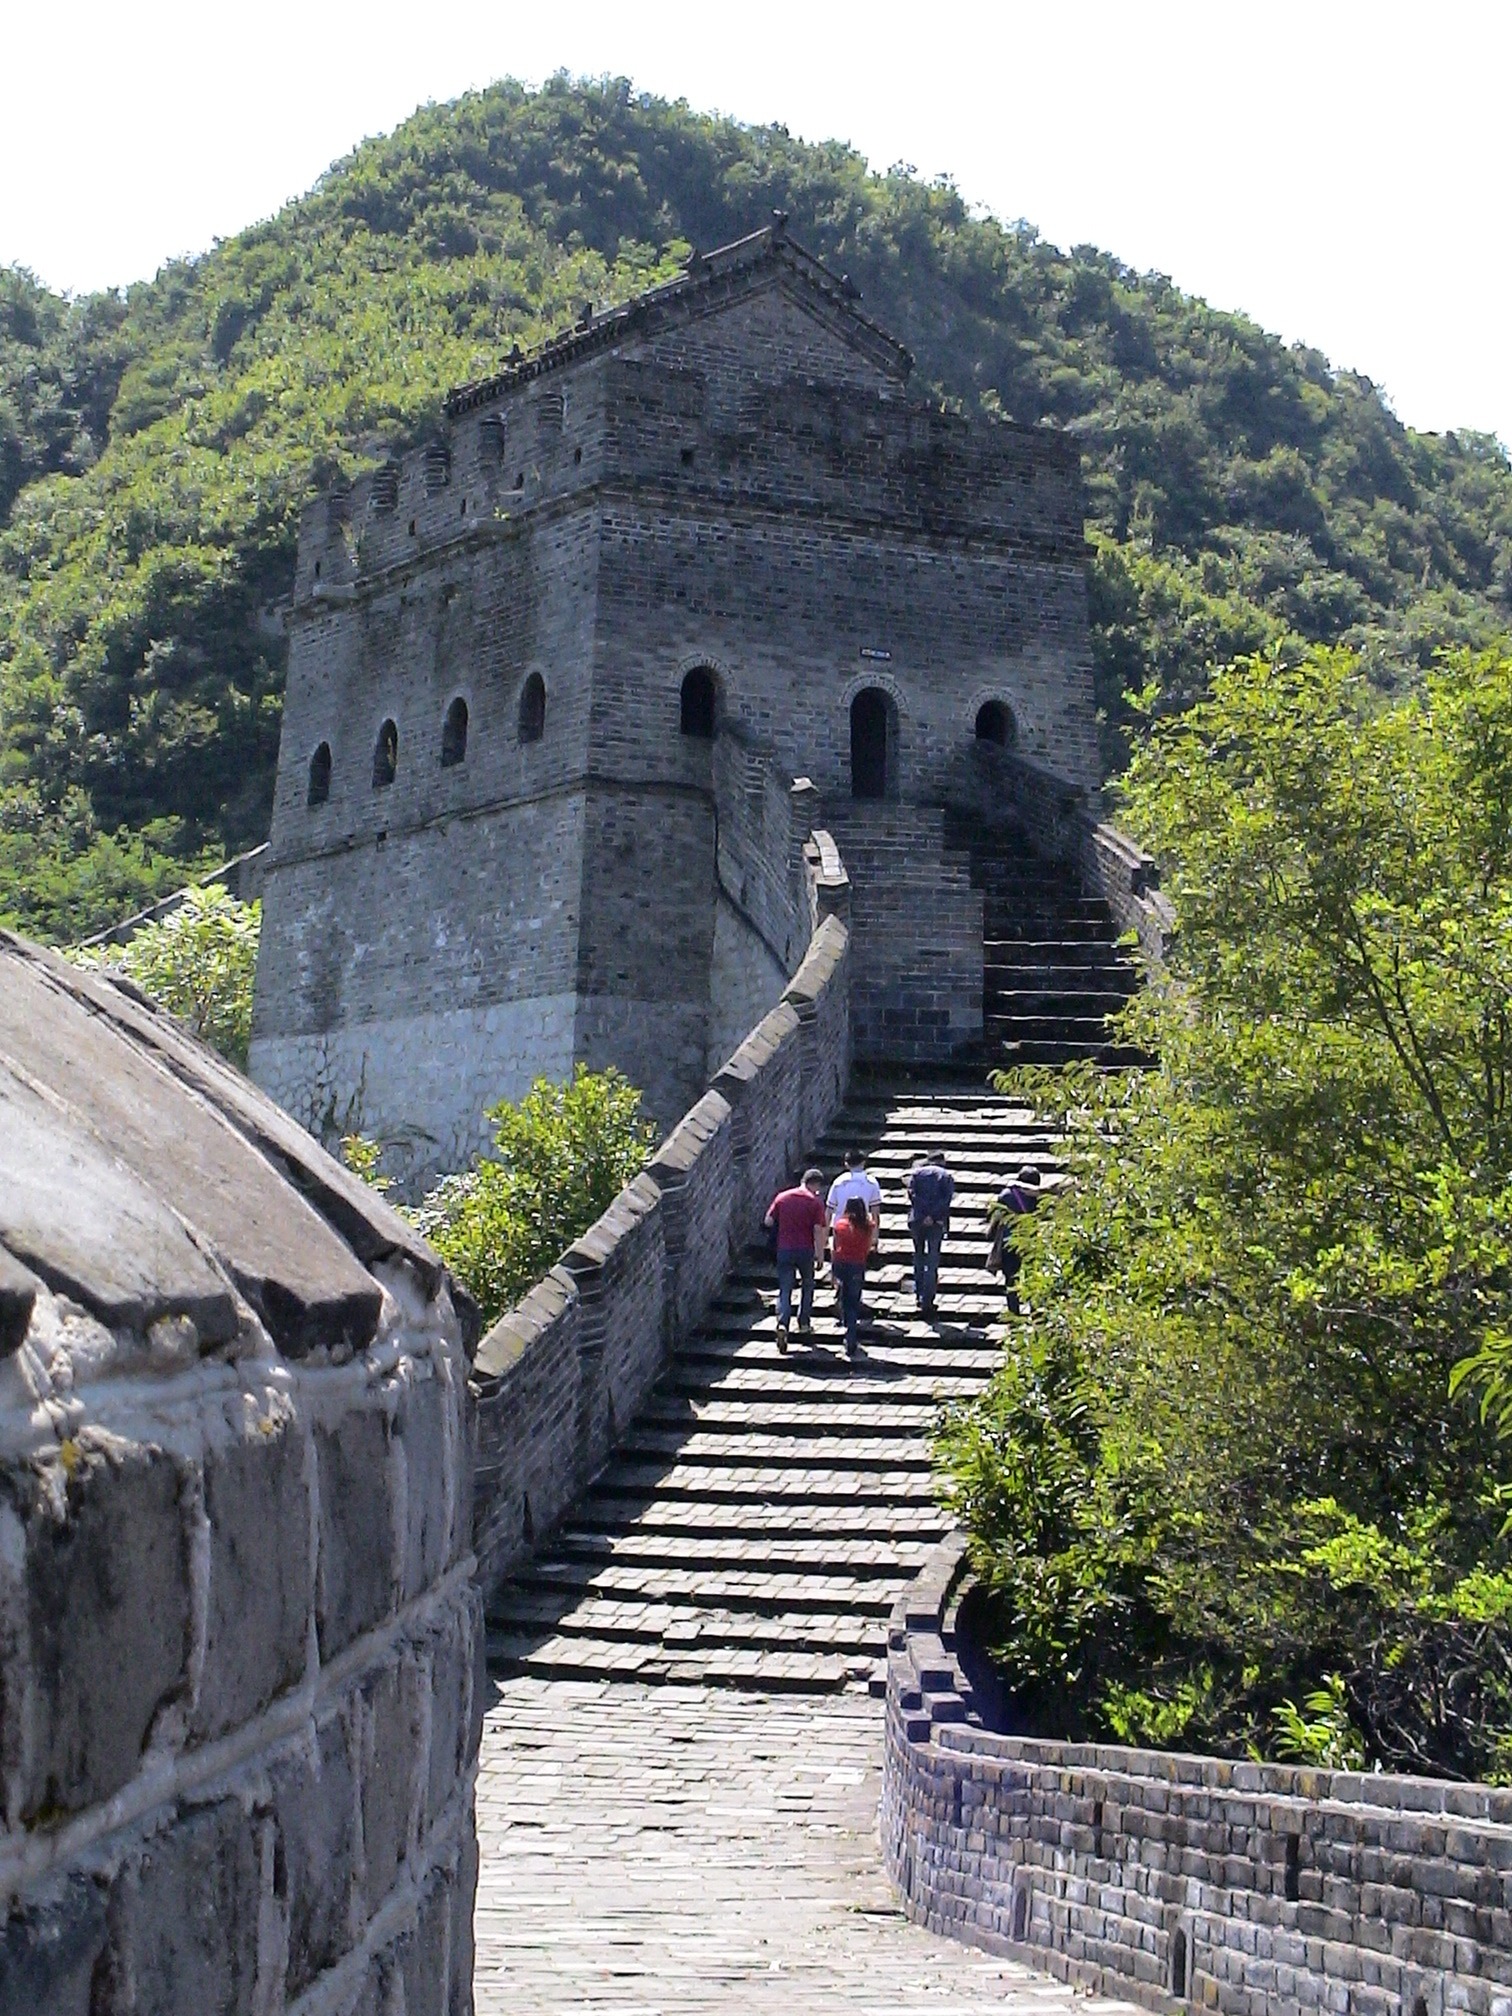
563,1374
1256,1889
1062,823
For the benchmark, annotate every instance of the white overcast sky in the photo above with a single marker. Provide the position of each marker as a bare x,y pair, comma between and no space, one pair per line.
1341,170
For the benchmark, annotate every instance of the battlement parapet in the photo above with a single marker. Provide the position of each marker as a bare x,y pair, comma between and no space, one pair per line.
836,451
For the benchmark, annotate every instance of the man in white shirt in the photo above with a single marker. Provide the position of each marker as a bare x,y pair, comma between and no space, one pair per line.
855,1183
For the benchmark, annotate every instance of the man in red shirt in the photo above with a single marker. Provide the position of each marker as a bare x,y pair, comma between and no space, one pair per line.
798,1215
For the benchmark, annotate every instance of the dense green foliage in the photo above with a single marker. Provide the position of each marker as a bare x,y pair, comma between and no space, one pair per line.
199,962
560,1158
1222,1472
155,448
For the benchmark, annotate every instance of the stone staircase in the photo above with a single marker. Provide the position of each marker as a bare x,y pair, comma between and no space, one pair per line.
1053,970
759,1520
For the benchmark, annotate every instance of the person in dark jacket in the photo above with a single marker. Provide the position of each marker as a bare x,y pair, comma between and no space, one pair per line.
1014,1201
931,1189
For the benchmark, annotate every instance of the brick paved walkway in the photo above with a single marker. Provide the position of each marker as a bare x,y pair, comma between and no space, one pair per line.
689,1849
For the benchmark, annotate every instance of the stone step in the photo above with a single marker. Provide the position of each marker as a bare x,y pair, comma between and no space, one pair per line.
877,1376
1000,929
1042,1050
917,1344
750,1316
1054,1000
1068,1028
961,1274
564,1658
974,1163
796,1414
864,1558
680,1625
919,1522
742,1589
734,1483
803,1449
1057,952
758,1386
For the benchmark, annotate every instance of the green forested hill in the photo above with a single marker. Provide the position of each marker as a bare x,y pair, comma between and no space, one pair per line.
155,449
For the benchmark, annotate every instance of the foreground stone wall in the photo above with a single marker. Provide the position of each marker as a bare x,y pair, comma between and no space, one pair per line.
240,1638
561,1375
1255,1889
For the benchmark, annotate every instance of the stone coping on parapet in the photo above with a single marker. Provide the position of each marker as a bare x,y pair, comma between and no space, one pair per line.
734,507
1184,1880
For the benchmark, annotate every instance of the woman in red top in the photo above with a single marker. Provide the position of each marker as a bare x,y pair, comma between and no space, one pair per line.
852,1238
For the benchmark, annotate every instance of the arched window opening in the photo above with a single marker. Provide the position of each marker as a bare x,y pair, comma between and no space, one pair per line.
699,695
533,708
870,735
320,776
386,756
454,734
995,723
1179,1964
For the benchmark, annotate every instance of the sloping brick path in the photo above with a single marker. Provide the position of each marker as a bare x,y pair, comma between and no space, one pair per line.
678,1790
654,1849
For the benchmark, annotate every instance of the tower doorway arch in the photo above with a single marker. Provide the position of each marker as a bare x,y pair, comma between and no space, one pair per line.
873,743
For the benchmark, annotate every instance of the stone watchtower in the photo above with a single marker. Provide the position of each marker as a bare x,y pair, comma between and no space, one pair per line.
552,675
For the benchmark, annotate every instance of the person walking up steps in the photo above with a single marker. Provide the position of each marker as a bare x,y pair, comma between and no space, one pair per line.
798,1215
1014,1202
855,1182
931,1188
851,1241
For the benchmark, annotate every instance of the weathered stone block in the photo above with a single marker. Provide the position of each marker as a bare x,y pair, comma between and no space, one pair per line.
464,1895
423,1953
184,1920
420,1432
315,1812
48,1953
452,1683
258,1505
358,1583
392,1764
108,1614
